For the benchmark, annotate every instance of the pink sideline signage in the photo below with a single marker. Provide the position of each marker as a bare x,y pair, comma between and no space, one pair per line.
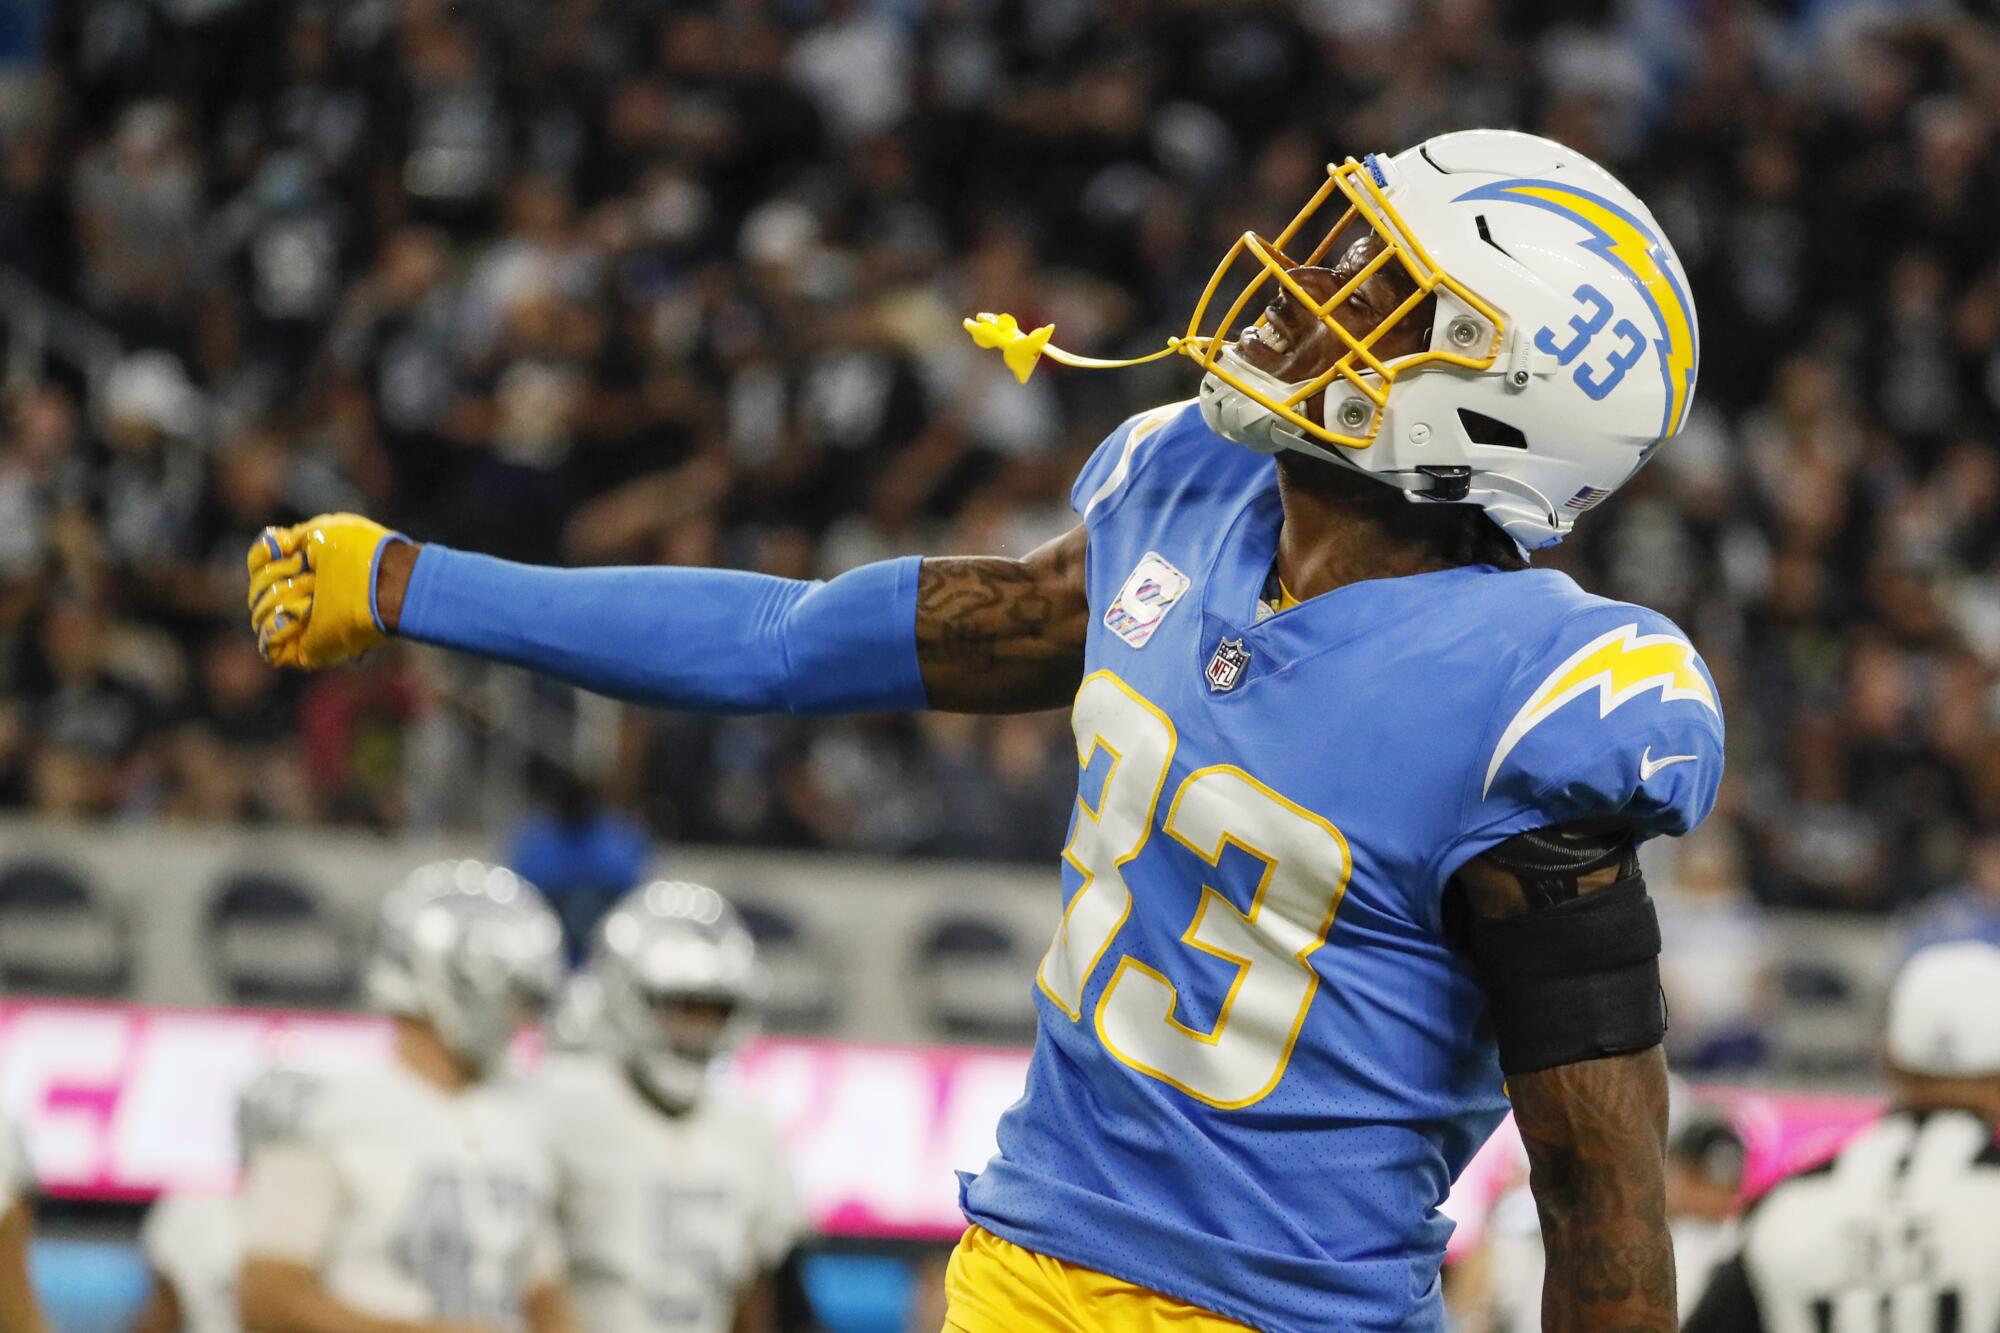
120,1102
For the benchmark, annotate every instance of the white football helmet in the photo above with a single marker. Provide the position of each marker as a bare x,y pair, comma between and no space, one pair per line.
1561,343
469,948
667,951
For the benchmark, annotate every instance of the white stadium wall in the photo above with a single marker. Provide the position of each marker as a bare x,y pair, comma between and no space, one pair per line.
862,962
859,948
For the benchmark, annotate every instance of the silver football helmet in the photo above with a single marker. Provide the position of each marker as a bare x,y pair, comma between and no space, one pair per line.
469,948
679,986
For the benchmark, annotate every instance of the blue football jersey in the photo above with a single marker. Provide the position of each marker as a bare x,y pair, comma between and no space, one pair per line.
1260,1063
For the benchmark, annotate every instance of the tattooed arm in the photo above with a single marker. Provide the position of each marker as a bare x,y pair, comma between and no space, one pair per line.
1596,1135
1004,636
979,635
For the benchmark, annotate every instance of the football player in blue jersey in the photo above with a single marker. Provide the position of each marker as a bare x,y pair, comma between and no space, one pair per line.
1353,861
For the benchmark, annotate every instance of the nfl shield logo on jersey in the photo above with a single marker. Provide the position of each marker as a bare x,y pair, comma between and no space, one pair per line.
1225,669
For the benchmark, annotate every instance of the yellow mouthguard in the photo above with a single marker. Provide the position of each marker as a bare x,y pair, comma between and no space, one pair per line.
1023,350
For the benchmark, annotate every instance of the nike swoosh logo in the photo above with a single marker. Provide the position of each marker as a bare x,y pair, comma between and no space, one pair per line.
1649,765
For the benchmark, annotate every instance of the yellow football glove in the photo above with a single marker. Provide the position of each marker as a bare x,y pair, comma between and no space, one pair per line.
311,597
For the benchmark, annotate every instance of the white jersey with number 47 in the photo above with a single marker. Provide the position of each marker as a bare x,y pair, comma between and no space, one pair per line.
666,1219
411,1202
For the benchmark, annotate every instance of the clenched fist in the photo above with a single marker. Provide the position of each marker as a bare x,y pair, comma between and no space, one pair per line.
312,590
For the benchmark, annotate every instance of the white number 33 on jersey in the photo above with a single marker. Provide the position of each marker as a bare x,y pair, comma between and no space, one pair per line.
1240,1059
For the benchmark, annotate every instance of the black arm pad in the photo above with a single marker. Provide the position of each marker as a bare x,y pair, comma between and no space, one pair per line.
1577,981
1551,862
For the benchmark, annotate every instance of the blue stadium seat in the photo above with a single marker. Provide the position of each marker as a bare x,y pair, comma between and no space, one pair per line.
271,942
803,997
974,979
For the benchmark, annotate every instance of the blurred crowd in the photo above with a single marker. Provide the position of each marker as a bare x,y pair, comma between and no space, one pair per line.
664,281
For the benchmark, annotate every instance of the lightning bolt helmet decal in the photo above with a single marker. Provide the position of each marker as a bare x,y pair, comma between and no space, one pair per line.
1630,246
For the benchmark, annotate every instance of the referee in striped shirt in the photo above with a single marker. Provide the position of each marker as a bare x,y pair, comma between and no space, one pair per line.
1900,1233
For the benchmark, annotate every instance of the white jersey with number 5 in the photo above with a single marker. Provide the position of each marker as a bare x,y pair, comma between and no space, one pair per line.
666,1219
411,1202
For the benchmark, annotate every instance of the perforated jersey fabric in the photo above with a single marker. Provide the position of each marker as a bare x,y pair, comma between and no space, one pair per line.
1260,1062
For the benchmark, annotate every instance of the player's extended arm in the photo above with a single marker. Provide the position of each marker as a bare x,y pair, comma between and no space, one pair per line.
547,1309
1004,636
162,1310
776,1300
965,635
19,1311
757,1307
280,1296
1577,1012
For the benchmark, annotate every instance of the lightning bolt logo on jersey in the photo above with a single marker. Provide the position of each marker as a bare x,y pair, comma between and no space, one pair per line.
1618,666
1261,1062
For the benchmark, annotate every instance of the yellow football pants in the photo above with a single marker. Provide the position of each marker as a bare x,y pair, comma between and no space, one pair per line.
994,1286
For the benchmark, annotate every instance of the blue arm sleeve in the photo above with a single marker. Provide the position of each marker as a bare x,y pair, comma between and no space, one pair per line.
704,640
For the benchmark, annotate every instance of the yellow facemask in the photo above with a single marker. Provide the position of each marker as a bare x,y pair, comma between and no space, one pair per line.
1210,344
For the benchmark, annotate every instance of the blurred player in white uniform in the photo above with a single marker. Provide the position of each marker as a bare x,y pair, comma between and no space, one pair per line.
194,1242
1900,1233
416,1196
677,1206
19,1310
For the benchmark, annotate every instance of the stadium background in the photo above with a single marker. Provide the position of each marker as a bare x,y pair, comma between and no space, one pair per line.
616,280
